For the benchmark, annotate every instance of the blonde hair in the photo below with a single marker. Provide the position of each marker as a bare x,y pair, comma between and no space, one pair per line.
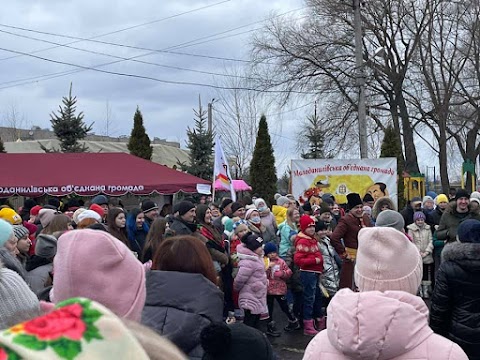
156,347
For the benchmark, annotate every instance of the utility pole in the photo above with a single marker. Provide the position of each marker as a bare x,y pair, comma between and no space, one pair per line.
360,78
210,119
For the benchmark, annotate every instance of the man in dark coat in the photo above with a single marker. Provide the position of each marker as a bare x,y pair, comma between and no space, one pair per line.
454,215
347,229
413,206
184,223
455,311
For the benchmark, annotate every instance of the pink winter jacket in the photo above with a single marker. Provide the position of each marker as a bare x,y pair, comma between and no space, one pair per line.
251,281
277,275
380,326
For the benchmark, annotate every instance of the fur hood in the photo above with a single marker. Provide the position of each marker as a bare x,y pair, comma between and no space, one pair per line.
452,209
465,254
385,200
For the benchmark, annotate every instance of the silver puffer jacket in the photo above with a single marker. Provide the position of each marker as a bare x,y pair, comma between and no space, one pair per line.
331,272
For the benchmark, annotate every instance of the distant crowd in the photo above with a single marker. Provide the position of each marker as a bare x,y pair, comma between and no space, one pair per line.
206,276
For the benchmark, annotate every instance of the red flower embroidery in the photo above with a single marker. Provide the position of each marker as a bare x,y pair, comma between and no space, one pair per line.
3,354
64,322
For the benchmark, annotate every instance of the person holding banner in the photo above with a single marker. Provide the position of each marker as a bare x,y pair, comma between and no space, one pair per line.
347,229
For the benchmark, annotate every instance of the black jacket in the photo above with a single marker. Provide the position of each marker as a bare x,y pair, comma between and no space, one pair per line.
455,310
407,214
179,305
434,217
182,227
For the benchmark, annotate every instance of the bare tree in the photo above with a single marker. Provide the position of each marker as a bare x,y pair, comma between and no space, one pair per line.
109,120
236,115
316,54
16,122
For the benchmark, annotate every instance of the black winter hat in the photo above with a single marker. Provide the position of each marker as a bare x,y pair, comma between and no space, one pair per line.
29,203
225,203
184,207
462,193
236,206
54,202
353,200
320,225
234,342
252,241
149,205
307,207
368,198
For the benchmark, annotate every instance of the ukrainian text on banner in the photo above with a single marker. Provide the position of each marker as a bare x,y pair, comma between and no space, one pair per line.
341,177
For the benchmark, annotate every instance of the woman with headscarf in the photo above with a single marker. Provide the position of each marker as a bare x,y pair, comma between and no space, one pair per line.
254,221
268,221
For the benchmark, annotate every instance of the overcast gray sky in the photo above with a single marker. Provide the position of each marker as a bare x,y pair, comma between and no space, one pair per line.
167,108
34,87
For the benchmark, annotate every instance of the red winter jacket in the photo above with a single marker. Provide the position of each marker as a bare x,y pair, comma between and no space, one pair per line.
277,275
306,254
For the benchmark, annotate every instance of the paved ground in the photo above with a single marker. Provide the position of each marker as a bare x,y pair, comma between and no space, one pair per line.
289,346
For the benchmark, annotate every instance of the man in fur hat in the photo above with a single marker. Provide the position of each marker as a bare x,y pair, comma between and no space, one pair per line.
347,229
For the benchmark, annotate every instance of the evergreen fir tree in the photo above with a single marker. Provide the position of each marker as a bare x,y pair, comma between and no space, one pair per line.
315,137
263,177
2,147
392,147
139,142
68,127
200,146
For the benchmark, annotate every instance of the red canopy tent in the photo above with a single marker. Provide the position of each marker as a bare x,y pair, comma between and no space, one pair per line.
87,174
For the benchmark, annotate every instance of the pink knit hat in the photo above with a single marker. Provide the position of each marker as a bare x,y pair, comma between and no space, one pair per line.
95,265
387,260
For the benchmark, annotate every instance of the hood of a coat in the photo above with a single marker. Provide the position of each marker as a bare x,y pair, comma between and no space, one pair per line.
466,255
452,209
377,207
376,325
301,235
245,253
279,210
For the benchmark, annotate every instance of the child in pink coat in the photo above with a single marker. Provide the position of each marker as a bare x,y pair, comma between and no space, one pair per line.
251,280
278,273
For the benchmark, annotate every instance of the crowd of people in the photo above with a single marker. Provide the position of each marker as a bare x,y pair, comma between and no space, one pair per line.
201,280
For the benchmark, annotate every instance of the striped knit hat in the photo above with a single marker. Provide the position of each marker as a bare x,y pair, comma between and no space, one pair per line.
20,231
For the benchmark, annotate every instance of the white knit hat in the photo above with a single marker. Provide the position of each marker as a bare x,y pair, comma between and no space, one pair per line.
387,260
89,214
18,303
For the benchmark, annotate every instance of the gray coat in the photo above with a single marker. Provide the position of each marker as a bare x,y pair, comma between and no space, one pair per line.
179,305
38,277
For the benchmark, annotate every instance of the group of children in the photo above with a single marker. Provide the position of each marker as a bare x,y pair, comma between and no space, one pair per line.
262,277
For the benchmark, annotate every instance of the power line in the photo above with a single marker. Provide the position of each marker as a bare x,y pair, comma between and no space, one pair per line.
124,58
146,77
92,39
111,32
50,76
270,115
